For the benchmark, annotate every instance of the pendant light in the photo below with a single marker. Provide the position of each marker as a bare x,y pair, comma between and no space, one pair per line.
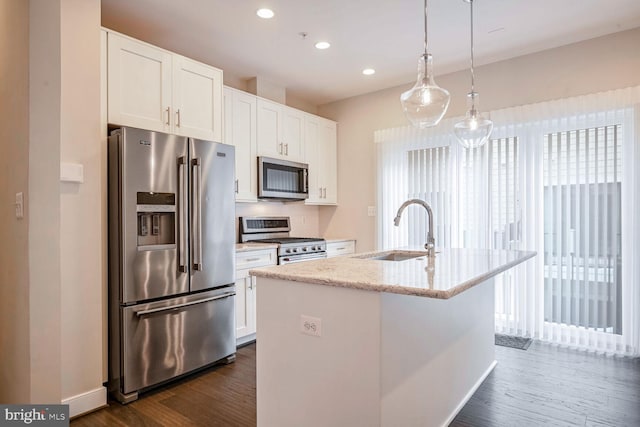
426,103
474,130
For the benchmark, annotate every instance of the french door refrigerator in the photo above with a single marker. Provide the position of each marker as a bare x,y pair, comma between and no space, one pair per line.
171,258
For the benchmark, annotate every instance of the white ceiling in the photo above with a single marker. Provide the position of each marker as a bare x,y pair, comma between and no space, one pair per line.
383,34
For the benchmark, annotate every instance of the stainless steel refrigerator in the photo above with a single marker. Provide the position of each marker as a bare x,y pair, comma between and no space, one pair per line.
171,258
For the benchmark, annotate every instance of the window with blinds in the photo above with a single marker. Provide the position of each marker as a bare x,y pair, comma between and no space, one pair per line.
429,179
582,228
505,217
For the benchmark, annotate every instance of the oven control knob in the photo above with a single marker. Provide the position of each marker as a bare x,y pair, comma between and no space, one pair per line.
288,251
304,249
295,249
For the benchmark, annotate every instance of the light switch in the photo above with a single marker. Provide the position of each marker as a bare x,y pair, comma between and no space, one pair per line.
371,210
19,205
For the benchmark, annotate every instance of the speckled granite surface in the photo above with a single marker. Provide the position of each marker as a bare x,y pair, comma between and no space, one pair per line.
451,271
244,247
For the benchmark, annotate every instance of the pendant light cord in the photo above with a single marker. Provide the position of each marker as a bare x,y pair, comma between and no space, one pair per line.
472,73
426,45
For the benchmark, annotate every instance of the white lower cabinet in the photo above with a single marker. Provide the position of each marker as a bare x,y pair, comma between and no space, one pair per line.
340,247
246,291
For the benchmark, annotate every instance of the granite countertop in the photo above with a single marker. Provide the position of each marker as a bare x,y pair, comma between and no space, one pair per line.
451,271
244,247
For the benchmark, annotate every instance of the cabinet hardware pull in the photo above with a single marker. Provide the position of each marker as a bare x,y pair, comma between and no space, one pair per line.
325,192
286,149
252,259
280,148
320,196
237,187
340,249
168,110
178,116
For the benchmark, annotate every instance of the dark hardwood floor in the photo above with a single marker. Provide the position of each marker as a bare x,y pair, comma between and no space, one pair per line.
543,386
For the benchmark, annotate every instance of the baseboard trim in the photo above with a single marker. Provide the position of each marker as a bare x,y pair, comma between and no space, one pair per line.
466,398
247,339
86,402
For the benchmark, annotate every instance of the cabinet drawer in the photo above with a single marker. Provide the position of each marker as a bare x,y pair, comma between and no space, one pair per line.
258,258
341,248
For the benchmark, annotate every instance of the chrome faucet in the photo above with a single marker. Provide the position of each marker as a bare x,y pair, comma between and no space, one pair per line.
430,246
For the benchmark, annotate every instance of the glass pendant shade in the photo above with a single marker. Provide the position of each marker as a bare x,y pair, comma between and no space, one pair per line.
426,103
474,130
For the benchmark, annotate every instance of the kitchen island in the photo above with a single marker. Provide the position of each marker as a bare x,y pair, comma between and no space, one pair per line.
380,339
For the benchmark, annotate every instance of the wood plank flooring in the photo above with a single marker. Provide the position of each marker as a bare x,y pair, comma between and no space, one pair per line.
543,386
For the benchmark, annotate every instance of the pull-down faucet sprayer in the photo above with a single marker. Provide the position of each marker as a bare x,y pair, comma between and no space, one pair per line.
430,246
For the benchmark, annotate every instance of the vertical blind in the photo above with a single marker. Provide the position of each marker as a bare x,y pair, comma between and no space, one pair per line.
559,178
582,228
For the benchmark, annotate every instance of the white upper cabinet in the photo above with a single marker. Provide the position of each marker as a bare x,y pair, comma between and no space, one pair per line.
280,131
154,89
240,120
197,99
320,144
139,84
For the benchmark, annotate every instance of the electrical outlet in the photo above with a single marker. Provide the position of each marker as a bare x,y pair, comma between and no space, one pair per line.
371,210
311,325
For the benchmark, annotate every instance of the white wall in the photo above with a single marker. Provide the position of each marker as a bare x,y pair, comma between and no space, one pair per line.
51,264
595,65
43,212
14,176
81,205
304,219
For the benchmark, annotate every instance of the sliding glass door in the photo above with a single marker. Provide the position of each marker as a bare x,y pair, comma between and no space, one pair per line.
582,229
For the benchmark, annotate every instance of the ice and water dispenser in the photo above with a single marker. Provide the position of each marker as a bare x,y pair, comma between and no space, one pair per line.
156,220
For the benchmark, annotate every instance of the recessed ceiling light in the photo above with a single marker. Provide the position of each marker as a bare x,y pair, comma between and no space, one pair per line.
265,13
323,45
368,71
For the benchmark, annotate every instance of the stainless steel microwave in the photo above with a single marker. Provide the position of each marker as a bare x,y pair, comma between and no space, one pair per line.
282,179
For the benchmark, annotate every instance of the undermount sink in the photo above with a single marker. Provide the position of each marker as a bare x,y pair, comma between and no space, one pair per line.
393,256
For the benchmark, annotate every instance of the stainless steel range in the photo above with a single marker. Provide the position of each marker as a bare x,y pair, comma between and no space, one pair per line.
276,230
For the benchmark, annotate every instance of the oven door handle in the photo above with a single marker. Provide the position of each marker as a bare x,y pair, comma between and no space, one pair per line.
183,305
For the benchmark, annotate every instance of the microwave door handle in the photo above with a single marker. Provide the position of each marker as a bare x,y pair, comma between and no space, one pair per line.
182,202
196,200
305,176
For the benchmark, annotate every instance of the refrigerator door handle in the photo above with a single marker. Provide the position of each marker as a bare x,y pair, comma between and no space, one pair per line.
182,202
196,197
179,306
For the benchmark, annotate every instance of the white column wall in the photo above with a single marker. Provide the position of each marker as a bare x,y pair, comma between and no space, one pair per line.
43,208
81,209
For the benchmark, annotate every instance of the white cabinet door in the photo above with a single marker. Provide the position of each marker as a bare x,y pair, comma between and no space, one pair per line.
270,129
240,131
246,290
327,151
139,84
197,99
280,131
293,134
312,158
245,304
320,147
